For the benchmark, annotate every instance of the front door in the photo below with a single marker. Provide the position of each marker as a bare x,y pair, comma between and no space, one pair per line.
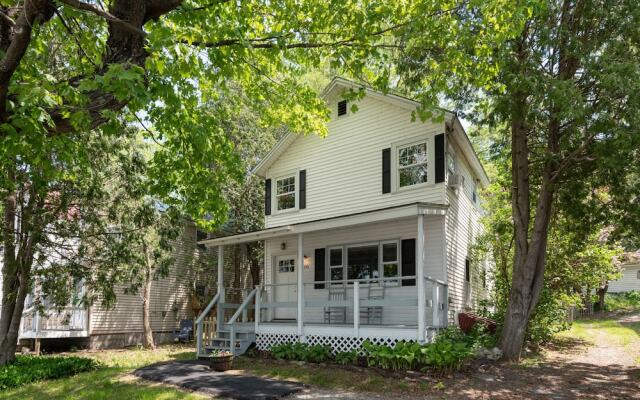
286,289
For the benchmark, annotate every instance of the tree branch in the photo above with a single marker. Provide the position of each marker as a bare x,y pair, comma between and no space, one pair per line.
104,14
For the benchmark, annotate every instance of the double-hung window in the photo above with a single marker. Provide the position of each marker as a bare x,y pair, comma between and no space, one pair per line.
390,259
412,164
286,193
336,271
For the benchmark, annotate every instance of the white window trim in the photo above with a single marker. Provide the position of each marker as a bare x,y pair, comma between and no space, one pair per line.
397,262
345,260
395,175
296,191
342,264
451,153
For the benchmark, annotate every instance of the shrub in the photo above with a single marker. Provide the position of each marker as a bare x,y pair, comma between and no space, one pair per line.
28,369
622,302
404,355
301,352
347,357
447,355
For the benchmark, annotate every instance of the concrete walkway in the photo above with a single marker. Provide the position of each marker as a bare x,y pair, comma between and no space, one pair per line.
195,375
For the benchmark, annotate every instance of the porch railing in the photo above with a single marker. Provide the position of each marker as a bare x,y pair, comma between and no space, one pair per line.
233,305
391,302
66,319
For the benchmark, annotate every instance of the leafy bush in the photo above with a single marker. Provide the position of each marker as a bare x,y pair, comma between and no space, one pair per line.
28,369
446,355
347,357
622,302
404,355
448,352
302,352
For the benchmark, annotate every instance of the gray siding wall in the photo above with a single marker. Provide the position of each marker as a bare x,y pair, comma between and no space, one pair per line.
171,299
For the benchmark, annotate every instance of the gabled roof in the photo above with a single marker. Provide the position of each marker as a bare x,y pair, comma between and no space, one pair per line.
395,99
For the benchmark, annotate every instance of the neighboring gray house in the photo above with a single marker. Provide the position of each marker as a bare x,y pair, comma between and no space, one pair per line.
368,233
98,327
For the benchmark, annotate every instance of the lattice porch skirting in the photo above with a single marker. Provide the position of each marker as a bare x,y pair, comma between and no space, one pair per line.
338,344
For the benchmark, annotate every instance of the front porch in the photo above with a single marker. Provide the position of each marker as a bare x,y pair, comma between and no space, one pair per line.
294,305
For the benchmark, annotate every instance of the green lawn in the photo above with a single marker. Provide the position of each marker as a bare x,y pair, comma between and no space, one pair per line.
112,382
620,333
330,376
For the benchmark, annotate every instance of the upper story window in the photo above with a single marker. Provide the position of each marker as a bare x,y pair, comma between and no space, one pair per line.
286,193
412,164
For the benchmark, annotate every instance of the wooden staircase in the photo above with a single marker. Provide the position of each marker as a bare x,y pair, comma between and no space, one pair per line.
232,336
244,337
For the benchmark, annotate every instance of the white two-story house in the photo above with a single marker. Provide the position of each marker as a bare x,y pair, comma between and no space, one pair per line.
368,232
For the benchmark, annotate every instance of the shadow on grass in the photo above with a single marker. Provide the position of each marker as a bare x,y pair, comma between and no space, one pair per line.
108,383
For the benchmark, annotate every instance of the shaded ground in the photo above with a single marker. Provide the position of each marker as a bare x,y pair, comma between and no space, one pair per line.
597,359
196,375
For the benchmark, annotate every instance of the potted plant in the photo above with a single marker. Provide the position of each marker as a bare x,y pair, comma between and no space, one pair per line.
221,360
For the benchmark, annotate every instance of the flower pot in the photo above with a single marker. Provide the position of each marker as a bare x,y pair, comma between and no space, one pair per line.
221,363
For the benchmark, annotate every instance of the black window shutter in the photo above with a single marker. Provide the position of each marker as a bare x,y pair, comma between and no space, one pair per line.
386,170
342,107
409,261
319,275
439,147
267,197
302,202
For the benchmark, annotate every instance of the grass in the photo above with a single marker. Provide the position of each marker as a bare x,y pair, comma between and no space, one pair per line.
112,382
332,377
620,333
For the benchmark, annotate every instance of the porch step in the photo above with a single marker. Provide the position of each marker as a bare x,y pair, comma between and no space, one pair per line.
224,344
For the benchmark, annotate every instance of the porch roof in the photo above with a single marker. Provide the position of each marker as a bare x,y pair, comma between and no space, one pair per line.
366,217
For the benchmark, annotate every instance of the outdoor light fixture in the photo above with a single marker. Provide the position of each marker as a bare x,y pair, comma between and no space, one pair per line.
307,262
283,246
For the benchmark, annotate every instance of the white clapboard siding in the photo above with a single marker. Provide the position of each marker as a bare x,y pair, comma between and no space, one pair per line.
344,169
405,228
463,226
629,281
168,294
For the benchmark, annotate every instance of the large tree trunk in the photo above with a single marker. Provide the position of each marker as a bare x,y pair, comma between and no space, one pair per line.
148,341
15,287
16,267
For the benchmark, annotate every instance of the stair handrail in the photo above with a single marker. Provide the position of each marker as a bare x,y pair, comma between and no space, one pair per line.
208,308
243,306
199,320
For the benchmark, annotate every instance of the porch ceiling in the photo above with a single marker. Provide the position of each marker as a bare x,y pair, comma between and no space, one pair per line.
367,217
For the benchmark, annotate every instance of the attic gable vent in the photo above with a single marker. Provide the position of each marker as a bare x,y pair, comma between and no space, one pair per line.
342,107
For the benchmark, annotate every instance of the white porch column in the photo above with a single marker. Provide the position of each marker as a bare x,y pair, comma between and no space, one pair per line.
420,279
300,269
220,313
356,309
